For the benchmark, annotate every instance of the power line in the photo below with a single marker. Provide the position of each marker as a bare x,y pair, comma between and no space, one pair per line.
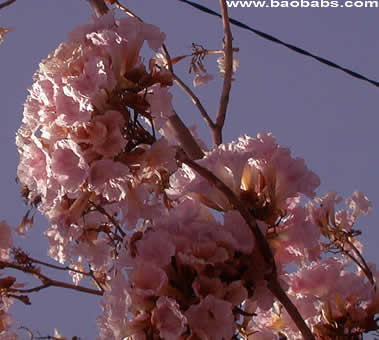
280,42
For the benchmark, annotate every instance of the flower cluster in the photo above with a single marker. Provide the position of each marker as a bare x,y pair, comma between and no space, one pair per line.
87,138
171,252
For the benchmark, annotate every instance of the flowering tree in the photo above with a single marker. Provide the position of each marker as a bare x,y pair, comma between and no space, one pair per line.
182,240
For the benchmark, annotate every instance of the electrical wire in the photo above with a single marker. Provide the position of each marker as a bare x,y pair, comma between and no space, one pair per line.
280,42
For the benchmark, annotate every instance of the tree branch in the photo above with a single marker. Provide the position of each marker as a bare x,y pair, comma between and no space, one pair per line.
228,55
53,266
262,244
46,281
187,90
7,3
99,7
279,293
185,137
195,100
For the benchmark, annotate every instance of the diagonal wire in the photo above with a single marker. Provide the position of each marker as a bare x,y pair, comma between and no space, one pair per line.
280,42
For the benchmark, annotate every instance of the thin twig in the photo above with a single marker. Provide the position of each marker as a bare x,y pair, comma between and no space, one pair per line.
195,100
126,10
110,218
228,56
53,266
28,331
262,244
54,283
46,281
206,52
187,90
7,3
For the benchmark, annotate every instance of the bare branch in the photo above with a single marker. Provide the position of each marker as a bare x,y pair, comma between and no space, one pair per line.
7,3
278,292
54,283
195,100
99,7
126,10
65,268
228,55
185,137
46,281
187,90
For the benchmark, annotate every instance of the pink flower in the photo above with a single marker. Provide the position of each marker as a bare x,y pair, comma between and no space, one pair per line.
236,293
168,318
243,236
298,239
359,203
204,286
221,64
326,210
68,165
261,172
201,79
211,319
3,32
97,252
156,248
109,179
113,141
148,279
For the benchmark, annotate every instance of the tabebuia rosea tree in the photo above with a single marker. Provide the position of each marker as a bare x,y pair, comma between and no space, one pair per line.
183,241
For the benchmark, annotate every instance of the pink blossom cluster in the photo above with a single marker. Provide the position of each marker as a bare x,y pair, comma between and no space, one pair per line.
188,275
81,138
181,277
174,257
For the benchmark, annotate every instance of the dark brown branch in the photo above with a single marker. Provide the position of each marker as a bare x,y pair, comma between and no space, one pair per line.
187,90
53,266
7,3
46,281
126,10
278,292
54,283
99,7
228,59
262,244
363,266
195,100
185,137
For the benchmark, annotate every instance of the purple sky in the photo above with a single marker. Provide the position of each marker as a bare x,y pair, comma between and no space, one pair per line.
323,115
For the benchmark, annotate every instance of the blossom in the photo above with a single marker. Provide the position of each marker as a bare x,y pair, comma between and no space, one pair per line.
258,170
201,79
211,319
3,32
168,318
359,203
221,64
